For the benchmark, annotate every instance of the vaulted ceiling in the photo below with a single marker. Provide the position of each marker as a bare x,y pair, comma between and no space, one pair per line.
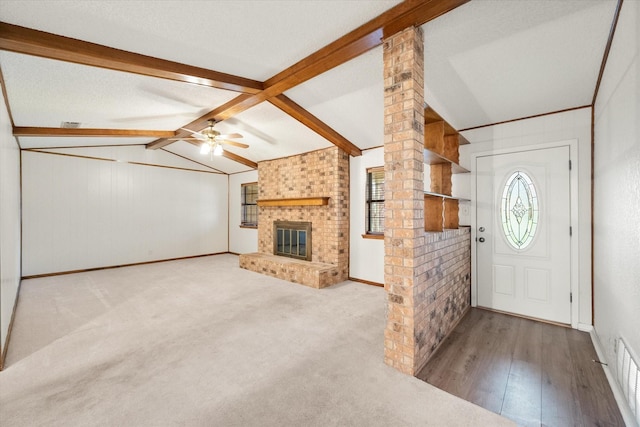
290,76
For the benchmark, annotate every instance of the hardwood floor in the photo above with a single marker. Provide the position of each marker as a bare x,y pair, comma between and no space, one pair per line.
533,373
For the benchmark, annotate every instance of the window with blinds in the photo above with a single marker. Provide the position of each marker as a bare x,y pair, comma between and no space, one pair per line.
249,205
375,201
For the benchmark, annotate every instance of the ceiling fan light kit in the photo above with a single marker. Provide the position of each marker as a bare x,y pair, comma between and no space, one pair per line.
205,148
212,140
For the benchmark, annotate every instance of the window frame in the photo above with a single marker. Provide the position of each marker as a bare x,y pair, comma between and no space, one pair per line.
244,205
369,202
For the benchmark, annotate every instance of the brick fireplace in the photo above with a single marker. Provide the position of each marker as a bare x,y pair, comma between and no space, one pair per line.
308,188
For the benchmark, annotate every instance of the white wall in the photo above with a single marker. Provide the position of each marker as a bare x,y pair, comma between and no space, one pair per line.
80,213
570,125
617,189
9,223
366,256
241,240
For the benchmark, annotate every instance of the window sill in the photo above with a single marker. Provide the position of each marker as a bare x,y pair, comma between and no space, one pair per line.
373,236
249,226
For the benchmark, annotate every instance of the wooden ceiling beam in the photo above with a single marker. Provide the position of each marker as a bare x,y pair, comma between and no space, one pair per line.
419,13
315,124
231,156
39,43
79,132
355,43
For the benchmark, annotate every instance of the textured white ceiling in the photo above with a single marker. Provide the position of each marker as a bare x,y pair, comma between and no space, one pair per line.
349,98
45,92
250,38
270,134
485,62
493,60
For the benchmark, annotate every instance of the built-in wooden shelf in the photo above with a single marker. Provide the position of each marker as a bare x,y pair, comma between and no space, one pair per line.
444,196
302,201
432,158
441,212
373,236
441,143
430,116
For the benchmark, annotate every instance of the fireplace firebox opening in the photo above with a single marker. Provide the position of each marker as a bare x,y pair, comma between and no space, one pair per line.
292,239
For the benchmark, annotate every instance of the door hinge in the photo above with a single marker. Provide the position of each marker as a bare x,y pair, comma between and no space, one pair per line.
569,164
570,231
570,296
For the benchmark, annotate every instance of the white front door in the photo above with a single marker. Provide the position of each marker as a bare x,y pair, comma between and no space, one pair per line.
523,243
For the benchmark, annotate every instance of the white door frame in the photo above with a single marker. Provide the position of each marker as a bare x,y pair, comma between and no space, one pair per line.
574,215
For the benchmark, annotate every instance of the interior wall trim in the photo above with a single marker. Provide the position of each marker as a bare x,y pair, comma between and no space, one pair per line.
366,282
3,353
118,161
65,147
373,148
584,327
236,173
593,209
603,65
6,104
193,161
526,118
605,56
228,212
84,270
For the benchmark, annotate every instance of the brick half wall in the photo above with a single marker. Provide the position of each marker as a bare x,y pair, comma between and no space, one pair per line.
445,297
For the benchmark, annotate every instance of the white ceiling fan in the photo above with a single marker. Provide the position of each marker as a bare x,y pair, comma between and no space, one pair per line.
211,140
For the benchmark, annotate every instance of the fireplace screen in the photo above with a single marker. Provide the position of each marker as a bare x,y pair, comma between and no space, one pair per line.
292,239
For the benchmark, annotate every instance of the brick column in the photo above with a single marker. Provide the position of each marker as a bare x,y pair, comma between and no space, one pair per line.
404,236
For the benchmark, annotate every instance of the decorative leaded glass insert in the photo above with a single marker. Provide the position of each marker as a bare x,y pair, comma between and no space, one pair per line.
519,210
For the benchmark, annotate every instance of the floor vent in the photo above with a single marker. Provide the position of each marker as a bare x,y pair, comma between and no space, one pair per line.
628,378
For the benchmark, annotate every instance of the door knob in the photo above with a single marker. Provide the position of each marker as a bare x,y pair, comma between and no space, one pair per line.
481,239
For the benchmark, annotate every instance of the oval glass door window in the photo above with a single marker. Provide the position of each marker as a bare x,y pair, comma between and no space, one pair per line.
519,210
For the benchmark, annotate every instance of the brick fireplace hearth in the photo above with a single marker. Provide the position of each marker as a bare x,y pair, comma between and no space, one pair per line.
292,181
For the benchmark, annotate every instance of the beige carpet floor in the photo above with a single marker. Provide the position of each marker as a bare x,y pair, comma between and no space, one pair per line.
201,342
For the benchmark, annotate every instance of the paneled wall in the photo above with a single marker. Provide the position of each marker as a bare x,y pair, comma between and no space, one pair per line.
241,240
81,213
9,224
617,191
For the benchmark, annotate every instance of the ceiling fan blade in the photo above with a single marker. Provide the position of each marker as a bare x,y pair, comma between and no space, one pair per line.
234,143
230,135
187,139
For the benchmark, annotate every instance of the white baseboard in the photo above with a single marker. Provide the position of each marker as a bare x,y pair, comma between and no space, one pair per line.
627,415
585,327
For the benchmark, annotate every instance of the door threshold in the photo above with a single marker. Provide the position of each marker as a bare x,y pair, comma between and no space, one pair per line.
522,316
